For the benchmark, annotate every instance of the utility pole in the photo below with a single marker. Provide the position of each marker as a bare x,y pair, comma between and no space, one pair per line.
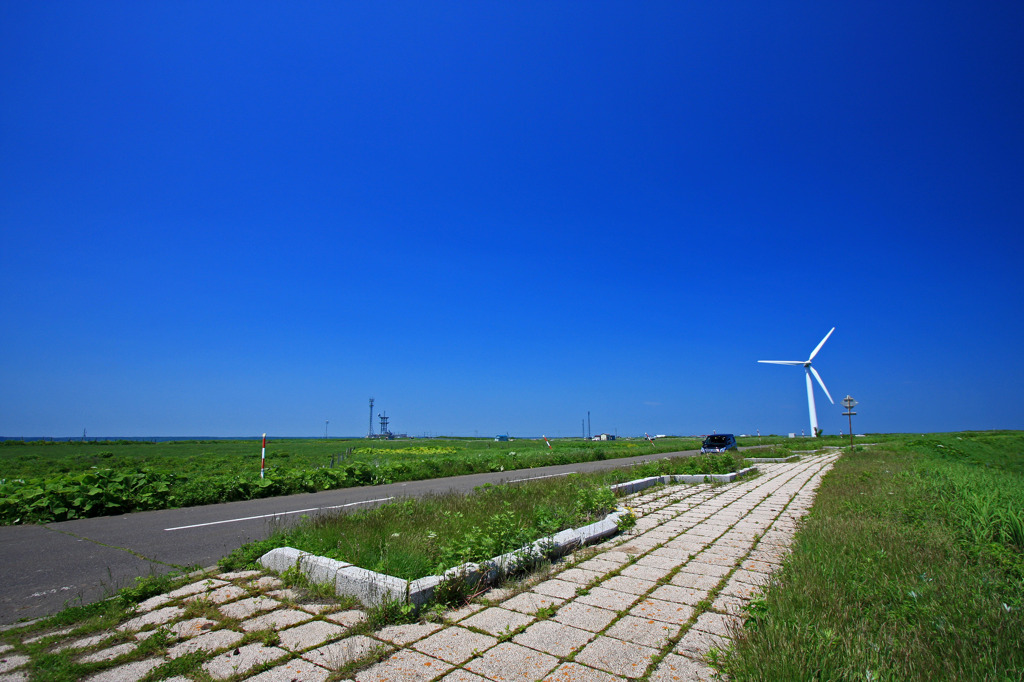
849,403
589,436
326,422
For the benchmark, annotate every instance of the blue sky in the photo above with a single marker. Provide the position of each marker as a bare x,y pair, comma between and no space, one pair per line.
497,216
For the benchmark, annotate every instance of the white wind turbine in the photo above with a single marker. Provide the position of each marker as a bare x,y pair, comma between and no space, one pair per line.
808,370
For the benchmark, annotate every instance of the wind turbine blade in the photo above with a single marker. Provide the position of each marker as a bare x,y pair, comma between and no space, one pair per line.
821,383
782,362
815,351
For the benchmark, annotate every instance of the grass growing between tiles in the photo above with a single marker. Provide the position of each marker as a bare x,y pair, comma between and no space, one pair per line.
413,538
909,567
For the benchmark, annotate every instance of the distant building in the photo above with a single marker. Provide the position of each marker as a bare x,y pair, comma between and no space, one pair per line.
604,436
501,438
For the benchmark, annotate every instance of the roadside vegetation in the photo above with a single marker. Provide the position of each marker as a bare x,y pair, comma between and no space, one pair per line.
44,481
909,567
413,538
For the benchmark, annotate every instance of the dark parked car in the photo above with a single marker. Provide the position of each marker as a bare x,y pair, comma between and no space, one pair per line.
720,442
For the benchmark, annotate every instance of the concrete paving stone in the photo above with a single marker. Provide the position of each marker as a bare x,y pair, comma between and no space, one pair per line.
695,581
559,589
599,565
293,670
717,624
462,676
221,595
641,545
158,617
616,656
339,654
579,576
510,661
763,561
553,638
402,635
187,629
241,660
238,575
267,582
616,555
315,608
109,654
696,643
4,648
574,672
247,608
82,643
346,618
701,568
647,572
497,621
129,672
276,620
51,633
286,594
531,602
585,617
751,578
744,591
680,595
309,635
16,676
455,615
211,641
455,644
152,603
407,666
9,663
654,561
720,550
608,599
635,586
499,594
673,668
728,604
645,631
204,585
657,609
726,562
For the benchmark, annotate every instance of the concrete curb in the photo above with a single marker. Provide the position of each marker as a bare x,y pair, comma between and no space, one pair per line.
373,588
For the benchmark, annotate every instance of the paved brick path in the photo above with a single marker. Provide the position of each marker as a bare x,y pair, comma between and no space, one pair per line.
649,603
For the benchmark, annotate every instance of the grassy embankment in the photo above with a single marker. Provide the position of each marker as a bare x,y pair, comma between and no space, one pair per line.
909,567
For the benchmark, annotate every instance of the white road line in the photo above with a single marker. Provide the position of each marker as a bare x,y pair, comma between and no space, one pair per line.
534,478
264,516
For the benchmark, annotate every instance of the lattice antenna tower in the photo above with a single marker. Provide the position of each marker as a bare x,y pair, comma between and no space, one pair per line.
384,433
369,434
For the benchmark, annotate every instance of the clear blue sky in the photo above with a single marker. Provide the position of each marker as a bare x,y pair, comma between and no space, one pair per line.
229,219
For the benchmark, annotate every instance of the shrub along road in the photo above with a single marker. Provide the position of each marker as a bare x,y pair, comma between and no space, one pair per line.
45,567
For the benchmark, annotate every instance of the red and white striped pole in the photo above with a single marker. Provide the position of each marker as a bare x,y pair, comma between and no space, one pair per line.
649,438
548,442
263,455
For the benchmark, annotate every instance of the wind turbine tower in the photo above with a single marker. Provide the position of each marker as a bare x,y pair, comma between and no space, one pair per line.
808,371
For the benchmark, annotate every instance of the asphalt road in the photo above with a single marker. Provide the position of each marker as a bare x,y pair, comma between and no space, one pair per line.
45,568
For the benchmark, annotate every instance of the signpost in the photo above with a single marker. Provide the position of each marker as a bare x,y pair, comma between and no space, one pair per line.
849,403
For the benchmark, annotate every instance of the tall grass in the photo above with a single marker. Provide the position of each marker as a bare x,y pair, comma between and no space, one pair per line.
908,568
